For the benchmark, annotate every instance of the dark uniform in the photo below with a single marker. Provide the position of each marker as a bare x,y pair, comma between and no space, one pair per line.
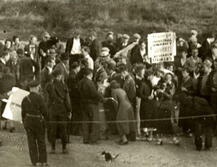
89,103
59,110
34,114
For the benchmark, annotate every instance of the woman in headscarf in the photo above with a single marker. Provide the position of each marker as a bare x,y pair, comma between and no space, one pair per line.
125,115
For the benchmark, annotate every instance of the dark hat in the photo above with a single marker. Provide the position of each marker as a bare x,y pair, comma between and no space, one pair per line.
114,84
110,33
75,65
64,56
139,67
122,67
33,83
183,49
57,73
20,51
87,71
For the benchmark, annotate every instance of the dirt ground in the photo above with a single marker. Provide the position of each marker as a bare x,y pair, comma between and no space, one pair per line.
14,153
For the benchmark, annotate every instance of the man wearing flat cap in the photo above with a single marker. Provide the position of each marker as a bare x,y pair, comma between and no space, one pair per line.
124,42
34,115
59,110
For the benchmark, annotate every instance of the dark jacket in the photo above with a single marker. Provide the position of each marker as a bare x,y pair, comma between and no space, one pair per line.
88,91
136,56
69,44
111,45
207,89
59,102
33,104
73,87
95,48
45,77
26,65
205,50
2,68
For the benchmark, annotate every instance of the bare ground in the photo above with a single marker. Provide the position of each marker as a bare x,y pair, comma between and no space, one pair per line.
14,153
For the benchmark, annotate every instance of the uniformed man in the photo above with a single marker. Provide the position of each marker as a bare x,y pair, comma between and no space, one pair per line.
89,103
34,115
59,110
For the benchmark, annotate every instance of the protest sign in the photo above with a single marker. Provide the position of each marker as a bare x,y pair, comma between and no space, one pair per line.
162,47
12,109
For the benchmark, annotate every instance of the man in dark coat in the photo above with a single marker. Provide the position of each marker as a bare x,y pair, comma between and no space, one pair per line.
139,54
28,68
89,101
46,73
205,50
203,106
73,47
59,110
34,115
75,99
95,46
63,66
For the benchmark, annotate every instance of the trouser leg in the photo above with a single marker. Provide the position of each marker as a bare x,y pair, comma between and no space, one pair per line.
86,126
208,136
53,131
138,103
198,136
42,146
32,144
94,134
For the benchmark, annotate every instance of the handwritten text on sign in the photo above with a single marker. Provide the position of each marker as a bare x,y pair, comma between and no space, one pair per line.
162,47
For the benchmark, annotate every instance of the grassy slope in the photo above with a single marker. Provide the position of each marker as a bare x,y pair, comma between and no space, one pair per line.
129,16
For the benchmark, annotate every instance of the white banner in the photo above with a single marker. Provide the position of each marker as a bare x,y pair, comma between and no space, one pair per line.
162,47
12,109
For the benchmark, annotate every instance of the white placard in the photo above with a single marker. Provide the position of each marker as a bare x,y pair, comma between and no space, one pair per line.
162,47
12,109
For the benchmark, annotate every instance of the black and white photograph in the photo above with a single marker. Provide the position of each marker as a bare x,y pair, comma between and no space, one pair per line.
108,83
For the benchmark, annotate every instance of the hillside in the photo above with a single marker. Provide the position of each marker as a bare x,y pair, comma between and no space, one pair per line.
123,16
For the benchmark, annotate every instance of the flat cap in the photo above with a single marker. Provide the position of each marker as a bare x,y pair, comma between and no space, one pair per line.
137,36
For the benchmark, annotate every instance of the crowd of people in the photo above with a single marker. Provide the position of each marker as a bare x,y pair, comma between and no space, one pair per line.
71,86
